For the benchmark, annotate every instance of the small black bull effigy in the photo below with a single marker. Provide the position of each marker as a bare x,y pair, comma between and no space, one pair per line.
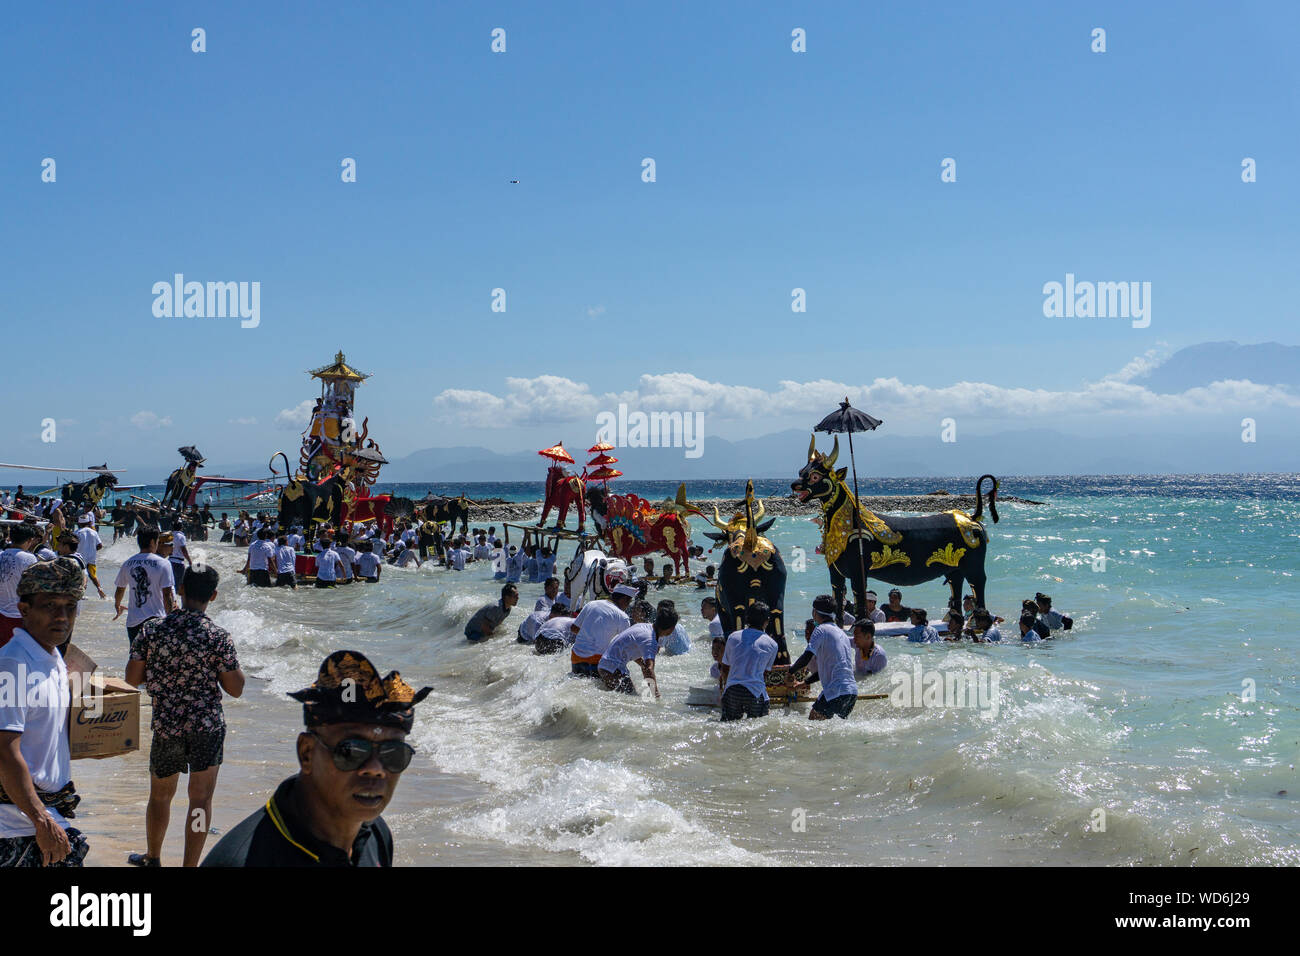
897,550
312,503
751,570
88,494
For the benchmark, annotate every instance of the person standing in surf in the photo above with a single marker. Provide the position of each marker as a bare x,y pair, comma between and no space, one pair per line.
836,659
149,578
746,659
489,617
596,626
639,643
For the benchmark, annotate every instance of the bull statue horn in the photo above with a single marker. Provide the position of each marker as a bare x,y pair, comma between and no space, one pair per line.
812,447
717,521
835,453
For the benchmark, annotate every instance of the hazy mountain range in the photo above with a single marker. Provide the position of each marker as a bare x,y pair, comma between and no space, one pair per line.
1195,444
1270,363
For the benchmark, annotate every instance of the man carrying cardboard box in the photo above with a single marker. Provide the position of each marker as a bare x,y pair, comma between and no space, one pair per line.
185,661
36,791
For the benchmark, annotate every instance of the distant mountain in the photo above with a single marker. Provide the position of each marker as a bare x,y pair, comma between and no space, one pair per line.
1207,447
1269,363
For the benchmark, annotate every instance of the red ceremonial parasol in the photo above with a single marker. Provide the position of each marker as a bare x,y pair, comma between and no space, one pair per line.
557,453
601,446
603,474
600,460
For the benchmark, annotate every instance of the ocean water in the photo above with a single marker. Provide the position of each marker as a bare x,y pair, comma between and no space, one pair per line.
1135,739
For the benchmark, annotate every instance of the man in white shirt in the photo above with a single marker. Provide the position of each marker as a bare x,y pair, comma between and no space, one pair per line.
1054,620
180,558
717,639
296,539
554,634
14,560
457,557
327,565
153,591
550,591
546,564
871,612
836,659
410,556
347,560
286,564
543,611
35,760
261,558
868,657
514,565
89,546
748,656
369,566
595,628
640,643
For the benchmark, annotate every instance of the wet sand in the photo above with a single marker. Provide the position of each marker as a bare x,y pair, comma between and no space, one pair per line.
259,753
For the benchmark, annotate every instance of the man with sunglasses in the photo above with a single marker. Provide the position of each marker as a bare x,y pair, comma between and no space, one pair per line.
349,761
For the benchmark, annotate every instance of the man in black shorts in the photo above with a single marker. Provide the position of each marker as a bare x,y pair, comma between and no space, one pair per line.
836,659
185,662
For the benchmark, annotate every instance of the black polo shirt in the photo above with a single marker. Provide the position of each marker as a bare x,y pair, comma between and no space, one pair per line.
274,836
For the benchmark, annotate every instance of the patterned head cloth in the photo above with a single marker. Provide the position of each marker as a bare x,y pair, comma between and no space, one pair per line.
60,576
348,690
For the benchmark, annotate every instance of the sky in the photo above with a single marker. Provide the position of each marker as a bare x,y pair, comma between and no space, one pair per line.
774,170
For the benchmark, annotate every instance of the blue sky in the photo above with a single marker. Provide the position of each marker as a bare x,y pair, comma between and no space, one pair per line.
775,170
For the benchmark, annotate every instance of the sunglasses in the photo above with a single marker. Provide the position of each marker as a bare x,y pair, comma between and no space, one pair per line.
352,753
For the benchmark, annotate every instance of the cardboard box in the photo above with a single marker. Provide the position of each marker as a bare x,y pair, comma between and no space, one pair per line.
104,719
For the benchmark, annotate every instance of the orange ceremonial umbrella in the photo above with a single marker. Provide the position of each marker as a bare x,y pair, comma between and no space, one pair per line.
557,453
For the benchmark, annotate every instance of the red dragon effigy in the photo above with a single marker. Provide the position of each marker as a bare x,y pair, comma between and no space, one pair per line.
632,526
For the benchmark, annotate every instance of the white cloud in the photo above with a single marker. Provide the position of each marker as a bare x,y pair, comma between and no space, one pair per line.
1141,365
551,399
296,418
595,311
243,421
147,421
543,400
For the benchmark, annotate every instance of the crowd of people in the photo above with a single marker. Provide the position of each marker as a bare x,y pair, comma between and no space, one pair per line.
353,748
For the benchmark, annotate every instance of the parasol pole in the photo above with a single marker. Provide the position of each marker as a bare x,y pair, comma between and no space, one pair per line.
857,519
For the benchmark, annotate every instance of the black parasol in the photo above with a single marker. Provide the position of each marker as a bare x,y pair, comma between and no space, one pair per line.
847,419
190,453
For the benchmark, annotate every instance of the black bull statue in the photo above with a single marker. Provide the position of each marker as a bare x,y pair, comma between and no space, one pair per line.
898,551
85,493
449,510
751,570
309,503
179,483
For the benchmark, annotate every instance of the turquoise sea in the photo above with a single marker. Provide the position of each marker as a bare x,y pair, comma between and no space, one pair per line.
1164,729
